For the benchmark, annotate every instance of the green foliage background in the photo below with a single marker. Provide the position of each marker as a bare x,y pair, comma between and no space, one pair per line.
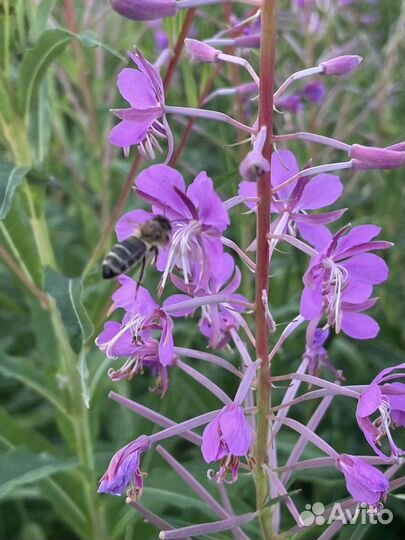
59,180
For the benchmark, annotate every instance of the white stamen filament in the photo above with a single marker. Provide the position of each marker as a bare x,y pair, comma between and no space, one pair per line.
333,288
183,242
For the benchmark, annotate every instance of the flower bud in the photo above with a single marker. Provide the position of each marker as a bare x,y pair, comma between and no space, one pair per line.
369,157
145,10
253,165
341,64
249,42
200,51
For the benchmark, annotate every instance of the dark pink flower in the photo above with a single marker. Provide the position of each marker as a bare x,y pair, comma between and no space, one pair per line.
294,201
145,10
140,124
124,470
134,337
314,91
229,436
340,280
198,219
386,402
365,483
216,319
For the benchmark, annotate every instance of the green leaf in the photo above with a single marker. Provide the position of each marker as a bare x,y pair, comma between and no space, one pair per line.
35,63
20,466
89,39
61,492
10,178
68,295
25,372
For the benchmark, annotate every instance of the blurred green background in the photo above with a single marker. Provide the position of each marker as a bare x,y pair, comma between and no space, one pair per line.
60,180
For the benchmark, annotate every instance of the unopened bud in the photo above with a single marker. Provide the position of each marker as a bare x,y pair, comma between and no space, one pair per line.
249,42
341,64
145,10
369,157
200,51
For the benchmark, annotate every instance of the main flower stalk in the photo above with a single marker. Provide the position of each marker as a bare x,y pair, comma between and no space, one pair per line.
267,70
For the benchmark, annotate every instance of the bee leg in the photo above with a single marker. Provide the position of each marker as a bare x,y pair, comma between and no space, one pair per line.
155,252
141,275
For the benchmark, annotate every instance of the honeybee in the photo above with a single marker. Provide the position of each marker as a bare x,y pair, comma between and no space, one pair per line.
142,245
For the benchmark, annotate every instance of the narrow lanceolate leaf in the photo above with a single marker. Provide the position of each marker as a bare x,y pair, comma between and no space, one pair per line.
27,373
10,178
20,466
68,295
35,63
89,39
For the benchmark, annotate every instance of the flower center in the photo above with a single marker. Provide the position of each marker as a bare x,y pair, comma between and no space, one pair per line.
333,285
185,250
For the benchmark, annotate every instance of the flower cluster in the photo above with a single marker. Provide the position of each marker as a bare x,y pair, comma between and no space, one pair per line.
292,202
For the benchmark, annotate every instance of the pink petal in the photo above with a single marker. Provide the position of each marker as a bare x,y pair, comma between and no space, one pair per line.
317,235
156,185
135,87
128,223
369,401
322,190
283,166
359,326
127,133
211,208
210,447
367,268
235,430
357,235
177,299
248,189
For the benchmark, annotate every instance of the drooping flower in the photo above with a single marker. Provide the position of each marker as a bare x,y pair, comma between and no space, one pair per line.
314,91
145,10
317,354
340,279
386,401
140,123
135,338
216,319
365,483
197,215
124,470
293,202
228,437
117,340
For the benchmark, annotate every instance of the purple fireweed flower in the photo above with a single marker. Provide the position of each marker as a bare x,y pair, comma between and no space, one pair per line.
118,340
140,123
293,202
198,219
124,470
369,157
228,437
314,91
292,104
200,51
340,279
341,64
143,316
365,483
161,37
216,319
145,10
317,355
387,401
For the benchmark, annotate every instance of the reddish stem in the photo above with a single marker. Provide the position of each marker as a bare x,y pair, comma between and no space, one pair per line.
267,69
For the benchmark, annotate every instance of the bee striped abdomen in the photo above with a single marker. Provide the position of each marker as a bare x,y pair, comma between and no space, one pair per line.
122,256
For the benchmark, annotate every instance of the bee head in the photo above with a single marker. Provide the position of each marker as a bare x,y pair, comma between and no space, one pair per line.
164,223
